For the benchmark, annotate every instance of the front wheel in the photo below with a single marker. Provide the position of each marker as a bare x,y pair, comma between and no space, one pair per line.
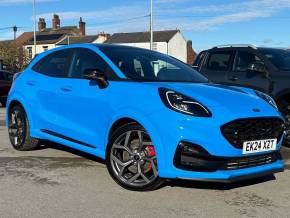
131,159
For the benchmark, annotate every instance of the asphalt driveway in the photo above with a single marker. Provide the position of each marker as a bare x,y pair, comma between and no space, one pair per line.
59,182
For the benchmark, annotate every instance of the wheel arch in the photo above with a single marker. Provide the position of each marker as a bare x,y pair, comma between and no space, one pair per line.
142,120
119,123
18,101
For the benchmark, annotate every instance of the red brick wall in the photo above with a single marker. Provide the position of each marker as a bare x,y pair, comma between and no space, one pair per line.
190,53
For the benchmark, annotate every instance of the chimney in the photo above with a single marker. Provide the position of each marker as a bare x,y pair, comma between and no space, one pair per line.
55,22
190,53
82,27
41,24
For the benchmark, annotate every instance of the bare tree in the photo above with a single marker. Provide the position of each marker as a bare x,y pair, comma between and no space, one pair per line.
13,55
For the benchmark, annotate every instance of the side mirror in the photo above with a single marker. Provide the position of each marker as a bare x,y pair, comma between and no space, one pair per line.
97,76
257,68
195,67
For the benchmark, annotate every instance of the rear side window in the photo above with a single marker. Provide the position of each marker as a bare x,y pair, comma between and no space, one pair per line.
219,61
55,64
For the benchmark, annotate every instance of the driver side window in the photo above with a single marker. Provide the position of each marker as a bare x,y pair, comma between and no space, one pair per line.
86,59
244,59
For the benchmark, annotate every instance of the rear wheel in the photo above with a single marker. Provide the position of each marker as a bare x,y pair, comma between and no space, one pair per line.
131,159
285,110
18,128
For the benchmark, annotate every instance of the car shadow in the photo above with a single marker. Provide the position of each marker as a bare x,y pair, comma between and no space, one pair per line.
52,145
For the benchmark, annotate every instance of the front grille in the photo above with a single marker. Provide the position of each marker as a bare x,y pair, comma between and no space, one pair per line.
239,131
246,162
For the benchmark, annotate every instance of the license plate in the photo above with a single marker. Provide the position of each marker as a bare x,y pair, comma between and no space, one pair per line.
250,147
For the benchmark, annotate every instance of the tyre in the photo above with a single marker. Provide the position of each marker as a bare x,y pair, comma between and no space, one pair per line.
285,110
131,159
18,129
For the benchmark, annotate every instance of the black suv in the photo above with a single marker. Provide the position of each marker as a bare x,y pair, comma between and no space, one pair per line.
264,69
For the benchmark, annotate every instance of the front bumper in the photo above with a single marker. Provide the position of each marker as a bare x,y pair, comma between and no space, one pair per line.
205,132
229,176
239,178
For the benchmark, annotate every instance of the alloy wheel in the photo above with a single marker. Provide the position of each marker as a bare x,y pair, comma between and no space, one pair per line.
133,158
16,127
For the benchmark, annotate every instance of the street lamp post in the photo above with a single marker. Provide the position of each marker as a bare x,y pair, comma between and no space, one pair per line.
34,32
151,25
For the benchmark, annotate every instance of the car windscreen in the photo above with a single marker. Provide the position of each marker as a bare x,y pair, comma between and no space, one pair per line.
279,57
145,65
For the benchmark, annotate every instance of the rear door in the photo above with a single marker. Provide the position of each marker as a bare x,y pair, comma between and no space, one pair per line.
47,85
242,77
217,65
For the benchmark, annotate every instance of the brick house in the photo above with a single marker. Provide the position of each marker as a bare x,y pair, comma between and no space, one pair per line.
46,38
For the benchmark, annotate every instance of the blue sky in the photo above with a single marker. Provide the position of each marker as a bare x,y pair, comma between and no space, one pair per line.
205,22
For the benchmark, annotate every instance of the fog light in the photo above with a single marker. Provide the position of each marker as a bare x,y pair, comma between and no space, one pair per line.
191,149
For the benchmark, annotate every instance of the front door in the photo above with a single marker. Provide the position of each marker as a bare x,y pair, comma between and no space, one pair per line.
85,107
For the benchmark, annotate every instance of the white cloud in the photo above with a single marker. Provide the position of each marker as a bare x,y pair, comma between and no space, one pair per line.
212,16
177,15
121,12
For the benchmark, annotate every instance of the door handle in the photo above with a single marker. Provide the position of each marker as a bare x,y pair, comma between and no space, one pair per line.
66,89
234,78
31,83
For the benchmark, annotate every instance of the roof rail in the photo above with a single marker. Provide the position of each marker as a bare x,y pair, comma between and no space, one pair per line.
236,46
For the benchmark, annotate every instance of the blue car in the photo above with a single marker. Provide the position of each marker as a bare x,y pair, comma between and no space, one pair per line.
150,116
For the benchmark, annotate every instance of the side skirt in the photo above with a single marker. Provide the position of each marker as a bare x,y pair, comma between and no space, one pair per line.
66,138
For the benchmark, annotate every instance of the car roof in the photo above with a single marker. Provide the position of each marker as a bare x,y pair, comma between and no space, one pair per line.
251,47
100,45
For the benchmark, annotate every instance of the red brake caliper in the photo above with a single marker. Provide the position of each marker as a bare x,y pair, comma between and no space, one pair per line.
151,153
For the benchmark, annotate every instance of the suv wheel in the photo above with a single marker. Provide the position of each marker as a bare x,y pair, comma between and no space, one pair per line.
285,109
18,128
131,159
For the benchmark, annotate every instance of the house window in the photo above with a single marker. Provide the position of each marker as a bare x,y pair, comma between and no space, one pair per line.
45,48
154,46
29,52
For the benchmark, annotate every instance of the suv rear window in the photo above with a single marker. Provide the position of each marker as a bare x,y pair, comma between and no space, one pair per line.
219,61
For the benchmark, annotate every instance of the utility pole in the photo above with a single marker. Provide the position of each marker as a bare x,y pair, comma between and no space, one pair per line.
151,25
15,31
34,32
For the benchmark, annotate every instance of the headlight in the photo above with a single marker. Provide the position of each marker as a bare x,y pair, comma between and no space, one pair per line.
183,104
267,98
